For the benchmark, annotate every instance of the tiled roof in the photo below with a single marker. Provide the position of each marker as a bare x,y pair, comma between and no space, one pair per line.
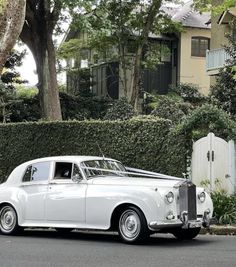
188,16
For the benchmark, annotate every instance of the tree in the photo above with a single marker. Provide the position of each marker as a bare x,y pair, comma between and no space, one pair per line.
41,19
9,78
12,16
216,6
124,25
223,92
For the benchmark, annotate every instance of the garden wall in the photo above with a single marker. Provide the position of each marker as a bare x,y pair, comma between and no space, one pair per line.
147,144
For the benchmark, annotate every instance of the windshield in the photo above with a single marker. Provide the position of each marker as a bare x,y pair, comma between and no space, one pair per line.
93,168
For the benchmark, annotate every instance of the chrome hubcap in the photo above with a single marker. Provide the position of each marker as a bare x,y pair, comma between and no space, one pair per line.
130,224
7,219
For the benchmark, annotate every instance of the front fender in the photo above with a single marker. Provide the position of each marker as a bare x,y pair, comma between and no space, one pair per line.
101,202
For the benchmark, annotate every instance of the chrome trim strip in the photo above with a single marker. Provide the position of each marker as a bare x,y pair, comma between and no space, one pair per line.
156,225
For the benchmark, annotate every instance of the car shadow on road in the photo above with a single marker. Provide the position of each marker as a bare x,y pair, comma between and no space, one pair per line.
112,237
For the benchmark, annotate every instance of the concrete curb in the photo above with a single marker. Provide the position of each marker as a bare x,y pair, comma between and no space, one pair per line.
219,230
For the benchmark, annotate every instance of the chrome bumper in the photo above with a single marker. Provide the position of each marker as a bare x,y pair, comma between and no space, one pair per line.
182,222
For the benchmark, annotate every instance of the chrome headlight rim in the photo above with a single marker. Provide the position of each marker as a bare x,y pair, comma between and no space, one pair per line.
202,196
170,197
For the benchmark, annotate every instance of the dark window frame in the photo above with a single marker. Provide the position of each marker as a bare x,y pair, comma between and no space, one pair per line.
196,51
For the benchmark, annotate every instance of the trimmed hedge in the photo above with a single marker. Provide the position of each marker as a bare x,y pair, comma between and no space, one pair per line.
147,144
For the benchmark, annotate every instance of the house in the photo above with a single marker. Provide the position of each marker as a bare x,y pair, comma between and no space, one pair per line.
194,41
184,63
217,57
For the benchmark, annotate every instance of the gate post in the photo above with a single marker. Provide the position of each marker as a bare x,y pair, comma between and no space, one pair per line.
231,166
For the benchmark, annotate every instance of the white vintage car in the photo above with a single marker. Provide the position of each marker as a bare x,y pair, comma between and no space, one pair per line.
84,192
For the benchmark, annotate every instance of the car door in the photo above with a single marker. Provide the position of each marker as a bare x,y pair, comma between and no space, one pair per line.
65,201
33,190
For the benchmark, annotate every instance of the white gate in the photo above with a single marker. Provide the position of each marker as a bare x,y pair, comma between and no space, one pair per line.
214,159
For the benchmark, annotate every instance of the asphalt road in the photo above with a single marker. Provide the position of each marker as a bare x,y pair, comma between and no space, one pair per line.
44,249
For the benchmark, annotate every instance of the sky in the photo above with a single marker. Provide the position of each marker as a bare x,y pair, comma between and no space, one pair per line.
28,69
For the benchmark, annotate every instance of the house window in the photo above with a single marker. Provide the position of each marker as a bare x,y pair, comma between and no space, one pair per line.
199,46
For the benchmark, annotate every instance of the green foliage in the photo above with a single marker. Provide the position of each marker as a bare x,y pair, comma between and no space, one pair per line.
189,93
80,82
224,207
121,110
168,109
205,119
138,143
71,49
82,108
26,108
223,92
26,91
216,7
115,26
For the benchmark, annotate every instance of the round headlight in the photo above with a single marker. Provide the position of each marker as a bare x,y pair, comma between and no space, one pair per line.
170,197
202,197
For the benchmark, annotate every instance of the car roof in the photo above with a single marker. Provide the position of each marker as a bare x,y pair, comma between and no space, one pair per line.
14,176
75,158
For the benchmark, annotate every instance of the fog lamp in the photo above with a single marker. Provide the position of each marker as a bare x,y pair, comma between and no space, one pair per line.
202,197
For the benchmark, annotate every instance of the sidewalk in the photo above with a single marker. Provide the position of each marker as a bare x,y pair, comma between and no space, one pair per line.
219,230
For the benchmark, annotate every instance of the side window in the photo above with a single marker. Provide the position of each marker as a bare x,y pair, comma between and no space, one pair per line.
27,175
63,170
37,172
40,171
76,172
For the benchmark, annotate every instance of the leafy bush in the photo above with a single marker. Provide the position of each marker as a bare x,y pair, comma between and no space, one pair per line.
139,143
223,92
224,208
121,110
26,108
168,109
205,119
189,93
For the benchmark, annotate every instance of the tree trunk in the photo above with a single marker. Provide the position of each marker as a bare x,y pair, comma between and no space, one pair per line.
37,35
135,82
47,80
12,17
136,78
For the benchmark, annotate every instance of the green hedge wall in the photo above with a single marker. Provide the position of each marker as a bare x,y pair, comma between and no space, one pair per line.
147,144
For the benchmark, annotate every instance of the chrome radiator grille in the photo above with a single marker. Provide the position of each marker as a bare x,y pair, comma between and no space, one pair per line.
187,199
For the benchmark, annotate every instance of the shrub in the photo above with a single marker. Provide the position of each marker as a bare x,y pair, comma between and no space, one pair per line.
121,110
168,109
205,119
224,208
189,93
146,144
26,108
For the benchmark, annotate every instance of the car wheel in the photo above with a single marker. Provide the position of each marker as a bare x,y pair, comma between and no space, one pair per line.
8,220
186,234
133,226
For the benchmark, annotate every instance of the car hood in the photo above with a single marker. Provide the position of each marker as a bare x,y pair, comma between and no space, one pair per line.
130,181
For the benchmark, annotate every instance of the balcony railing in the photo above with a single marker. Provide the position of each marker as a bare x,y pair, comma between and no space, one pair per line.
216,59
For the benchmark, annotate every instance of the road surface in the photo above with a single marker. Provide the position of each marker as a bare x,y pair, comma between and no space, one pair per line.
49,249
